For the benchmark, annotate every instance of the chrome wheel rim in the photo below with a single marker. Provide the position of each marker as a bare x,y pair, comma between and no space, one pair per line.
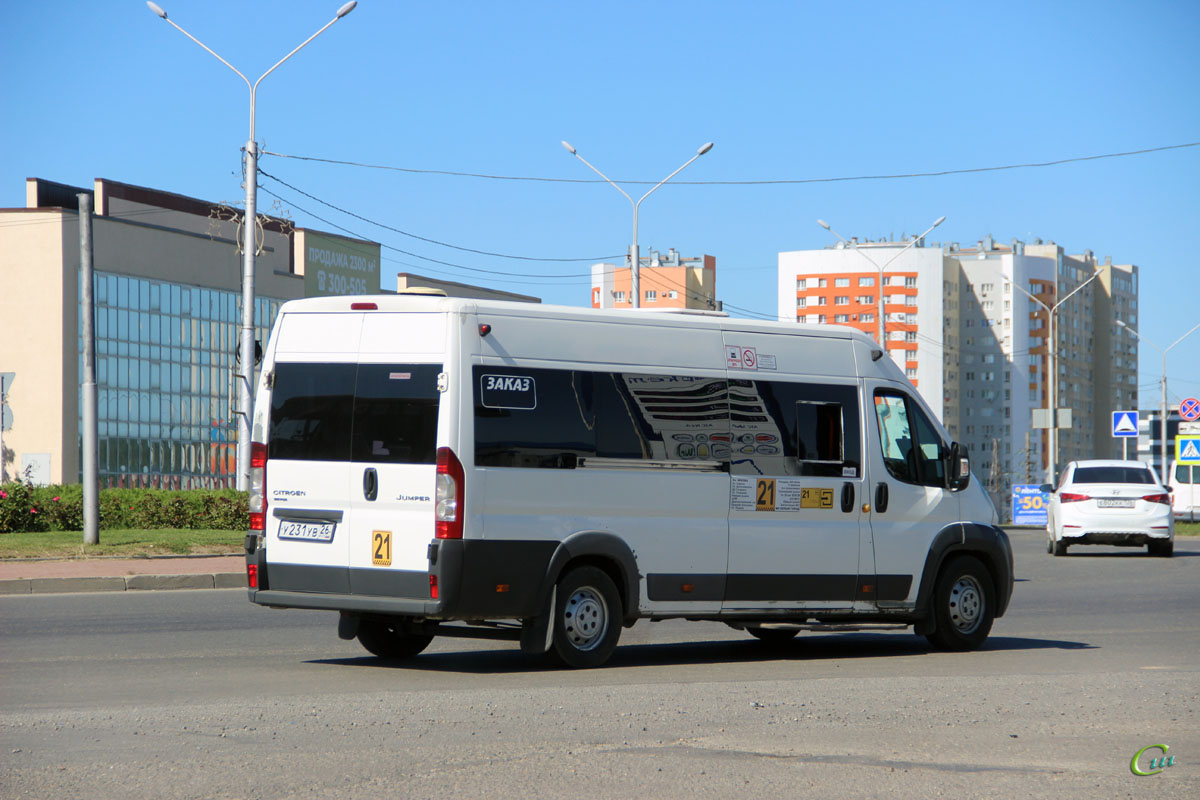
585,618
966,604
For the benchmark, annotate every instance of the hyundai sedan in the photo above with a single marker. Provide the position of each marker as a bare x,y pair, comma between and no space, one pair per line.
1110,502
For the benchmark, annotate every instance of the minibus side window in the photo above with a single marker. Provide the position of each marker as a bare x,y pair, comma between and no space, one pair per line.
539,418
311,411
795,429
395,414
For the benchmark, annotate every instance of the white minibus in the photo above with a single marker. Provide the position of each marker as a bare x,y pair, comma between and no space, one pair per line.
433,466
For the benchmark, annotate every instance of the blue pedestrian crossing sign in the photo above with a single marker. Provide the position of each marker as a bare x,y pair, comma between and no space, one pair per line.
1187,449
1125,423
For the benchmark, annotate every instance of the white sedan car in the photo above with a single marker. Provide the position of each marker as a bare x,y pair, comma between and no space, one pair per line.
1110,502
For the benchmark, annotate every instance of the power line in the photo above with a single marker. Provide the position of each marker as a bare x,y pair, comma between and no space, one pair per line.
768,182
327,204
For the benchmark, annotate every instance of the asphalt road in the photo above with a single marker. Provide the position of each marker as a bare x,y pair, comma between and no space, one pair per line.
190,694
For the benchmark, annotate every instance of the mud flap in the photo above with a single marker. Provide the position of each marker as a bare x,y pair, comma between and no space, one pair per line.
537,633
347,625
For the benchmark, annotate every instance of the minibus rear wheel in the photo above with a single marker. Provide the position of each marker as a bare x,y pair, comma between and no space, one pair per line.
587,618
387,640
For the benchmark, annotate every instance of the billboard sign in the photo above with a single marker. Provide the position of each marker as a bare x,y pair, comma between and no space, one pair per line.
1029,504
336,265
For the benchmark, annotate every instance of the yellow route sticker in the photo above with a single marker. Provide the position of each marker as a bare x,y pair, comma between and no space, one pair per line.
381,548
816,498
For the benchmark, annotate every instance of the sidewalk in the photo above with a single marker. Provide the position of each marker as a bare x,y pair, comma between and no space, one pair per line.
52,576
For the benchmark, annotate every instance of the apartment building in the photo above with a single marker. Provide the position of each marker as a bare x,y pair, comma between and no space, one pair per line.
670,281
971,328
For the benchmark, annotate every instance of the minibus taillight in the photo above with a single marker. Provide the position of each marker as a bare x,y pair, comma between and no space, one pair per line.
258,486
448,496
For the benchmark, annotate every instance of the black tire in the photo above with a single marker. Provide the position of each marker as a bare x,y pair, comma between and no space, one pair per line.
587,618
773,637
1161,549
964,605
385,639
1060,549
1049,543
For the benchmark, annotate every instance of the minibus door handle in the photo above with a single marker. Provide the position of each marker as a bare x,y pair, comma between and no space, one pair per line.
847,497
370,483
881,497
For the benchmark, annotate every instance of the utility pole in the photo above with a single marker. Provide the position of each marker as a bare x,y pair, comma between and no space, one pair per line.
90,451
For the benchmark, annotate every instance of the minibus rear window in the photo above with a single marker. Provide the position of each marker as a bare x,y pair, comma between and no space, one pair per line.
377,413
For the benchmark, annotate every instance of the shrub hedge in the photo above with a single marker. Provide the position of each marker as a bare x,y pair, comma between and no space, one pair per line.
60,508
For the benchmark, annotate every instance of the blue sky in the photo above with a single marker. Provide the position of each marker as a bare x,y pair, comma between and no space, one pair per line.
794,91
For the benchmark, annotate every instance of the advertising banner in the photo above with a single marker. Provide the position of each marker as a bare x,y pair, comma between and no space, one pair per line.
1028,504
333,265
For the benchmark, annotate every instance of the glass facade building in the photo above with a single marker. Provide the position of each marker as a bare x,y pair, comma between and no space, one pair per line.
165,381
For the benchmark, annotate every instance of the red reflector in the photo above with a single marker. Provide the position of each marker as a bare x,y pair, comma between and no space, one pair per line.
1068,497
484,329
501,588
363,307
252,575
258,455
433,587
258,522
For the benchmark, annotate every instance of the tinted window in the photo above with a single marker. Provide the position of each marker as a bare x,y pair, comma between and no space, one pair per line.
1112,475
785,428
311,406
382,413
554,417
395,414
1184,473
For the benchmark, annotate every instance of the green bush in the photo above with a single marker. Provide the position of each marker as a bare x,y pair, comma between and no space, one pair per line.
27,508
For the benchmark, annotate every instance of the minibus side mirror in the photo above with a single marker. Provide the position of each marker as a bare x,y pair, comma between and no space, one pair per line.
958,468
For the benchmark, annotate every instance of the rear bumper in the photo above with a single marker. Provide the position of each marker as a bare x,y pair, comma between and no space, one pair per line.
1117,538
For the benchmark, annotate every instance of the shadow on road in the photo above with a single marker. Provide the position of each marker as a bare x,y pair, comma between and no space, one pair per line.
803,649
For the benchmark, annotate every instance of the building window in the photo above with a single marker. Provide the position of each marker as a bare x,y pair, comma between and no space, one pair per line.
822,283
839,282
865,299
822,300
841,300
910,282
801,283
801,302
866,281
841,317
651,295
619,297
821,319
673,294
866,317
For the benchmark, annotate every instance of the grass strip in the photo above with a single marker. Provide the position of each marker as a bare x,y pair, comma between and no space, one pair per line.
158,542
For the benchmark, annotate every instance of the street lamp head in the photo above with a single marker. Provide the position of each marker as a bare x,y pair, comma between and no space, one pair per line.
824,224
346,9
939,221
569,149
1121,324
704,149
156,8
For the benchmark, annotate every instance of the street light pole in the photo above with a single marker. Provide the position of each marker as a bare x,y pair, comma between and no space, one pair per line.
1162,441
854,246
1053,458
246,340
634,255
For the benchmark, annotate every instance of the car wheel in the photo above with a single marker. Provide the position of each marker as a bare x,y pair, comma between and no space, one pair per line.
964,605
773,637
386,640
1049,544
1060,548
587,618
1162,549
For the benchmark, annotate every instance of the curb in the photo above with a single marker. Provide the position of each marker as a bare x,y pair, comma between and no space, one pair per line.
220,580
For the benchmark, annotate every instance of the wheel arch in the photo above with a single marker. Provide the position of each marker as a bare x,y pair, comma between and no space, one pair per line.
987,543
606,551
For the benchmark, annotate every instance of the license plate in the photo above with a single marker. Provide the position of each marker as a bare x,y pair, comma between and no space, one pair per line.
1115,503
307,531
